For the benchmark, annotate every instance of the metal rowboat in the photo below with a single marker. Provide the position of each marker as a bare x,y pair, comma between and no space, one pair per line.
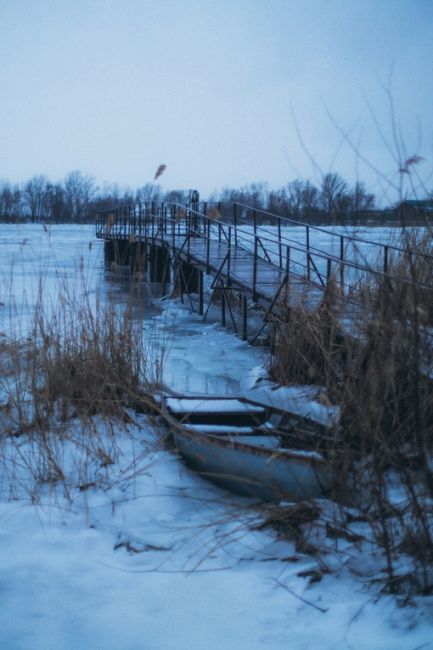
249,448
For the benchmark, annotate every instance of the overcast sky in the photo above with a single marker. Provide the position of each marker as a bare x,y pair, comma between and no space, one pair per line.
223,92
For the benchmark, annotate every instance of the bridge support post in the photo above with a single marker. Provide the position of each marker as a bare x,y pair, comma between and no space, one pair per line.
200,293
159,264
137,257
189,278
108,252
121,252
244,318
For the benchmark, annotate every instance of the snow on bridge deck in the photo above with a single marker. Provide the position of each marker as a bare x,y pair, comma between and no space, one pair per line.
265,264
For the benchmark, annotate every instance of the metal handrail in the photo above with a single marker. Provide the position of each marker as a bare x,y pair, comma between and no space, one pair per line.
127,219
280,220
353,238
326,256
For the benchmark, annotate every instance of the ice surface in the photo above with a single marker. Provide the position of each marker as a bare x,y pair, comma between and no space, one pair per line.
165,560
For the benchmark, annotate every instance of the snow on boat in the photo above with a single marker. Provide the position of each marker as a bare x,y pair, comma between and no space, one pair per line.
235,442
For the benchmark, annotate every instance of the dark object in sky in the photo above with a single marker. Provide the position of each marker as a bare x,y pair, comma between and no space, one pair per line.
161,169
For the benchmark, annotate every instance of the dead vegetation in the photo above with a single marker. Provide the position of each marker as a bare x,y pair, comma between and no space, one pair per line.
383,382
62,389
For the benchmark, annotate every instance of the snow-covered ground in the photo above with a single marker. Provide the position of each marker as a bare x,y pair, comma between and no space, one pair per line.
142,554
160,559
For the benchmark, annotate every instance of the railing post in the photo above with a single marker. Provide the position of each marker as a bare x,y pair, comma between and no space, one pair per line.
244,318
341,260
223,306
385,259
229,256
140,212
328,269
188,233
179,225
200,293
307,243
287,272
255,268
208,247
173,229
235,222
280,250
203,219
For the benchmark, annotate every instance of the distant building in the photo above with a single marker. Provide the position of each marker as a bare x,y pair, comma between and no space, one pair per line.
414,210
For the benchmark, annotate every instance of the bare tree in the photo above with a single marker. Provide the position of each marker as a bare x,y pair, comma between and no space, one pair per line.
310,199
35,197
360,199
56,204
255,195
294,194
176,196
303,198
148,192
333,194
80,189
278,202
10,201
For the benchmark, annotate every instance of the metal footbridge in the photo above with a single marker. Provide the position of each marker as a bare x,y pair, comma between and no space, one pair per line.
249,257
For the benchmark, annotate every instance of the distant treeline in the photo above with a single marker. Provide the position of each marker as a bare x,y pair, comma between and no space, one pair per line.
77,198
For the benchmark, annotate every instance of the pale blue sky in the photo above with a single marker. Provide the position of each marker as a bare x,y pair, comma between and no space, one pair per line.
211,88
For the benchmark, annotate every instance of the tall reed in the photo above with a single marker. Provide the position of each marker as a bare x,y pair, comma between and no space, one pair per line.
82,368
382,379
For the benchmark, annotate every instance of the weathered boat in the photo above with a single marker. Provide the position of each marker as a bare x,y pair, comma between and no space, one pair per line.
249,448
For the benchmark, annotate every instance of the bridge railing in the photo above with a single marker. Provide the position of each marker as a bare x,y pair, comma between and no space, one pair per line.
355,260
320,253
312,252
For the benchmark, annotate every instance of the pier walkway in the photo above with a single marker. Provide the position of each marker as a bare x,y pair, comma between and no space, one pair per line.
272,262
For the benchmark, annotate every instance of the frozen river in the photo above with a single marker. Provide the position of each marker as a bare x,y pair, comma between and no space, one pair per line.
38,263
41,263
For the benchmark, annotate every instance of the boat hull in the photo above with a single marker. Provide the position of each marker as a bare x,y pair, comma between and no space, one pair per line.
267,474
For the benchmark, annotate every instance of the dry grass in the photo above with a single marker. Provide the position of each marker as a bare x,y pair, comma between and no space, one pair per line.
63,389
383,382
308,347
